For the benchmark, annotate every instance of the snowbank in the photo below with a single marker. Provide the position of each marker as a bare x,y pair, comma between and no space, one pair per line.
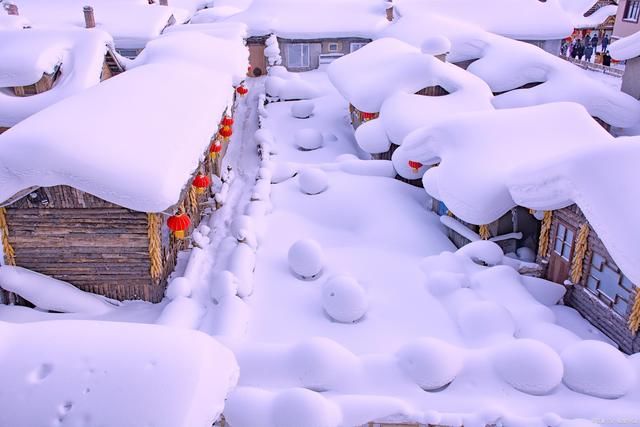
626,48
527,157
155,117
26,55
131,366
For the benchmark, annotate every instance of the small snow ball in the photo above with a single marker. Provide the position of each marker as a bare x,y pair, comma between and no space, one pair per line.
313,181
308,139
597,369
321,364
436,45
302,109
179,287
344,299
301,407
529,366
482,320
223,284
306,259
431,363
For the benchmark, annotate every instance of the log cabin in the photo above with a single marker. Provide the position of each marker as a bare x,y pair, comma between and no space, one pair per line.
41,67
99,209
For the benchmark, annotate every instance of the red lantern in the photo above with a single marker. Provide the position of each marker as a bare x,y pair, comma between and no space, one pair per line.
201,182
225,132
415,166
179,224
215,149
227,121
242,90
367,116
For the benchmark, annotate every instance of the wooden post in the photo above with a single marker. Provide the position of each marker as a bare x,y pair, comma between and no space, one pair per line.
389,11
12,9
89,17
164,2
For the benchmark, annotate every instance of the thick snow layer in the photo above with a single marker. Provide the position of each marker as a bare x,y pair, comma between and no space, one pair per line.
168,103
304,19
313,181
519,19
13,22
50,294
430,363
528,157
132,23
111,373
308,139
626,48
506,65
26,55
598,369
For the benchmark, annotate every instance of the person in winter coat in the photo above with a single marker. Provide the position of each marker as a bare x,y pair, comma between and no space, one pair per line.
588,52
594,42
579,50
606,59
605,43
587,40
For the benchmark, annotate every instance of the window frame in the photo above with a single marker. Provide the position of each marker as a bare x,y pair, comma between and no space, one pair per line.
631,11
359,45
623,287
333,44
303,47
564,243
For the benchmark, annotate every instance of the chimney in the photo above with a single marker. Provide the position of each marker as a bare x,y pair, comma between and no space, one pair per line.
164,2
389,11
12,9
89,17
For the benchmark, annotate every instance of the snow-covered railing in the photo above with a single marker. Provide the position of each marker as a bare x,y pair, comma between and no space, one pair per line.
594,67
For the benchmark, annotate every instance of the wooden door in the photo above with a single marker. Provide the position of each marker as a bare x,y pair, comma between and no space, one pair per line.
257,60
561,252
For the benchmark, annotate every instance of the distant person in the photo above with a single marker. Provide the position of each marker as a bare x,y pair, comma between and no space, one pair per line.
587,40
588,52
579,50
594,42
605,43
606,59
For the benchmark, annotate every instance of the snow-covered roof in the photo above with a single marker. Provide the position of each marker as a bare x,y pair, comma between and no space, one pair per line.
223,30
82,372
132,23
506,64
518,19
25,55
303,19
544,157
140,136
626,48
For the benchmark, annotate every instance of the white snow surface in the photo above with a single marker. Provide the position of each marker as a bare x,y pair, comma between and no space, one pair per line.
304,19
26,55
132,23
626,48
171,105
528,157
77,372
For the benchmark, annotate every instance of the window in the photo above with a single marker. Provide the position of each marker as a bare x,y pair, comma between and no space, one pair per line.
356,46
632,11
564,242
333,47
609,284
298,55
128,53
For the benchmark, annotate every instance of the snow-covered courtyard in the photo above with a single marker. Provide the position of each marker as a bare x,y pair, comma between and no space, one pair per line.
265,213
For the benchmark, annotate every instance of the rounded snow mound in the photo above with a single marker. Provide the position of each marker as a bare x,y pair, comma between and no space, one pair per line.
529,366
441,283
299,407
313,181
436,45
597,369
430,363
480,320
551,334
482,251
372,137
344,299
179,287
306,259
308,139
223,284
302,109
281,172
321,364
526,254
263,137
242,227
